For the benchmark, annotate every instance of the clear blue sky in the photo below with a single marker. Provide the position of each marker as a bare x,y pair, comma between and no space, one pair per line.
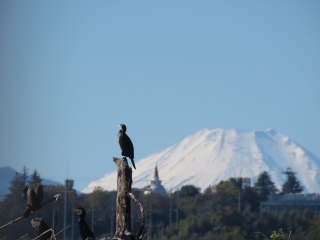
71,71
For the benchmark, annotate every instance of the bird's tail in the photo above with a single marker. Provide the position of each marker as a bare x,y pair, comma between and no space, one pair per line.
27,212
133,164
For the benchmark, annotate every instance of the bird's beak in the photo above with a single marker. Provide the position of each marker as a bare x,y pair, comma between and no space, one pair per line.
78,211
119,126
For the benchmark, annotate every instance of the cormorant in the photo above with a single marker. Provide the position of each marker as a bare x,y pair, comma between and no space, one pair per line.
33,195
84,229
39,227
126,144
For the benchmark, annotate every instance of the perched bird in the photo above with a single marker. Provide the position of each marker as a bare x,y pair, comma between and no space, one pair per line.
125,144
84,229
39,227
33,195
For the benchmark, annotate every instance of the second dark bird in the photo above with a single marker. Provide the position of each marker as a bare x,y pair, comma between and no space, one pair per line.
84,229
125,143
33,195
39,227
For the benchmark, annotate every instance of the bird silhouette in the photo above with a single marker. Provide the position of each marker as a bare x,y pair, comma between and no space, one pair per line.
125,143
33,194
39,226
84,229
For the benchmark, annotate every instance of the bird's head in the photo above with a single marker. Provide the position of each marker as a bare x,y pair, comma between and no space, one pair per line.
123,127
81,212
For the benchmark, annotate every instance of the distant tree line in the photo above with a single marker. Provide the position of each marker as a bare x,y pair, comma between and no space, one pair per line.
186,214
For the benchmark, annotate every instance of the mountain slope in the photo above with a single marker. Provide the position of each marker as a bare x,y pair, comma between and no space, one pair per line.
210,156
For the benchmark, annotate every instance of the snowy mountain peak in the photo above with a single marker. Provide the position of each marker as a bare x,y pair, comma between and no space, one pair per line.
209,156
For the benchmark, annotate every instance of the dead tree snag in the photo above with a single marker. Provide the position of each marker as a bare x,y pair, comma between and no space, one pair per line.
124,196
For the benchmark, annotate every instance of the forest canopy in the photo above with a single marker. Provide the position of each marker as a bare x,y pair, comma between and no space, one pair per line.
187,213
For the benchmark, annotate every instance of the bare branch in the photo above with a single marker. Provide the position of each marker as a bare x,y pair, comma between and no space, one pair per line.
12,222
59,232
55,198
142,213
49,230
23,236
53,235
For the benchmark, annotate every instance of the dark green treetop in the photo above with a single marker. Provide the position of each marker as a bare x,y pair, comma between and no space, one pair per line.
35,178
265,186
292,184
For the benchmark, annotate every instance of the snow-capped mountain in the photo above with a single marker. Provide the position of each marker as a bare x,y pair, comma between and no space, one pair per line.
210,156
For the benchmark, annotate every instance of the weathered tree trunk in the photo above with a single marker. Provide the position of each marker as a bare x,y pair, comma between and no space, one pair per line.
123,211
124,196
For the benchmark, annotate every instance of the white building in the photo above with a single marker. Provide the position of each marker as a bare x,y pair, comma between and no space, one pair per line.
155,185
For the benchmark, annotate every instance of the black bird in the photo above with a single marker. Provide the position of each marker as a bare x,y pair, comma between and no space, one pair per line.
126,144
33,195
84,229
39,227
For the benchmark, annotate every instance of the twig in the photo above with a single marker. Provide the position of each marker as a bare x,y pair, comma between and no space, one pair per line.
20,218
289,235
44,233
12,222
53,235
55,198
23,236
265,237
59,232
142,213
